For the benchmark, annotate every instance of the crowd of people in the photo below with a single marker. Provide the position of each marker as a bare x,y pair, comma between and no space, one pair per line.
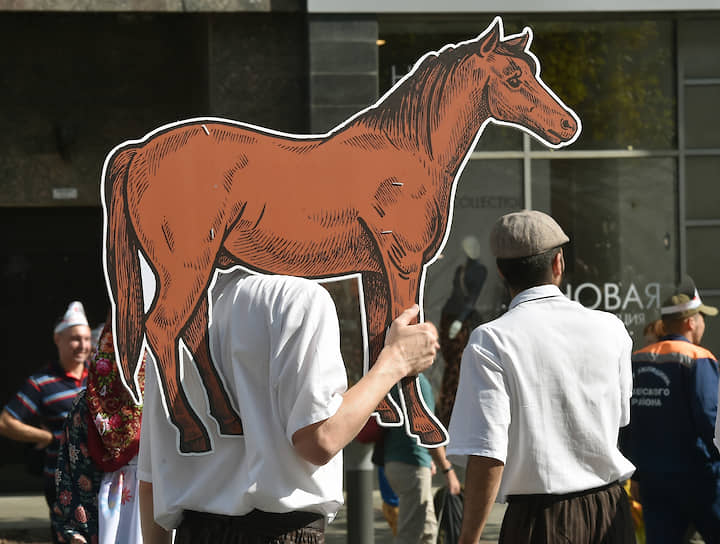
553,413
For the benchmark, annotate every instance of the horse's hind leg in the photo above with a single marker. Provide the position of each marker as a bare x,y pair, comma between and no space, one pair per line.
194,437
375,294
196,338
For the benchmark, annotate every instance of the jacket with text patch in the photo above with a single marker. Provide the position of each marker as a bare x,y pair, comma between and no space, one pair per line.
672,410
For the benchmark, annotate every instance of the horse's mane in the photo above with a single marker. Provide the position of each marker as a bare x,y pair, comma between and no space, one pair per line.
408,109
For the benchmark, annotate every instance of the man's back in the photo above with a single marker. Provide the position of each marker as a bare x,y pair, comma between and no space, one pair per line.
275,342
673,409
558,389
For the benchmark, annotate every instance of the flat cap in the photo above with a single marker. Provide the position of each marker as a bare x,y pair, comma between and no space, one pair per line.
524,234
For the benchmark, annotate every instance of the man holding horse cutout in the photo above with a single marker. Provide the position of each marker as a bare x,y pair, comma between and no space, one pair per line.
543,391
275,340
272,202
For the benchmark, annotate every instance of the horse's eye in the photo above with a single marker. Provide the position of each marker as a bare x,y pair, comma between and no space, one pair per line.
514,82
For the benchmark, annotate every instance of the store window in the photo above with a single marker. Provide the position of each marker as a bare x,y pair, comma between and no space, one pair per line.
620,216
614,190
618,76
699,151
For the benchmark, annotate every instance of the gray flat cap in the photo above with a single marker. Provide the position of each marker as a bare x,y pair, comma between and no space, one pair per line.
524,234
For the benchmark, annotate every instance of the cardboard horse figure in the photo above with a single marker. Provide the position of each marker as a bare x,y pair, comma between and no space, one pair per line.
372,198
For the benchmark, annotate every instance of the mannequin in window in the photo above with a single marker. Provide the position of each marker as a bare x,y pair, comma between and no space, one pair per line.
458,318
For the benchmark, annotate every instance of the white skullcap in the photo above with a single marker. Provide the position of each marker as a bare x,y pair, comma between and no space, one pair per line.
75,315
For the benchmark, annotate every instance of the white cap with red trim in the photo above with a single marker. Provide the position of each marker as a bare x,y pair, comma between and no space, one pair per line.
74,315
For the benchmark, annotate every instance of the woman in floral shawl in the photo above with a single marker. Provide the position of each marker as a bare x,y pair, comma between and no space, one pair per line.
96,484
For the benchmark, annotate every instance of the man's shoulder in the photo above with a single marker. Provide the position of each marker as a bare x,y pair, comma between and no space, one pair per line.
280,283
535,323
589,314
292,291
602,321
271,289
605,317
672,350
49,374
279,302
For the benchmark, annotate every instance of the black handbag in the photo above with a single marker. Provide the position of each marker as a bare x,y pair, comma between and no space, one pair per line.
449,512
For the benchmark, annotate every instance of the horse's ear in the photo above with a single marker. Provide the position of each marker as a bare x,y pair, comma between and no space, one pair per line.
488,43
520,42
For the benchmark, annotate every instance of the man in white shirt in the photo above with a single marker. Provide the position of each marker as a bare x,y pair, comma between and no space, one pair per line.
543,392
276,343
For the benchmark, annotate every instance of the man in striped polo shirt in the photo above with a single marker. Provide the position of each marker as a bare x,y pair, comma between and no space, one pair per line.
47,396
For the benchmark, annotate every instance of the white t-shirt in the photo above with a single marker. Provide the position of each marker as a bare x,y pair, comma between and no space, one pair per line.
275,340
545,389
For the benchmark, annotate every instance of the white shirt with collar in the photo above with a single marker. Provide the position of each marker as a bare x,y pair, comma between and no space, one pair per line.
276,342
544,389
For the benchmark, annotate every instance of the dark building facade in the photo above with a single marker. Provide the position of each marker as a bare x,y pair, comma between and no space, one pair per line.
637,192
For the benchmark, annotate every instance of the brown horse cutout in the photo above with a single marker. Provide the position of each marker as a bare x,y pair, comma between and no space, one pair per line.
370,199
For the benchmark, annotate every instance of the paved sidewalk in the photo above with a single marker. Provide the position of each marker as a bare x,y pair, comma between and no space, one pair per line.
337,531
24,519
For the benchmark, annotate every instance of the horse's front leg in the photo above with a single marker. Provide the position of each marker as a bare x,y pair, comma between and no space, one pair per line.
375,295
421,423
196,338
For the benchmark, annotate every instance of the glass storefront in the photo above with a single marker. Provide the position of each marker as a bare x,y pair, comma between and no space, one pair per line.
616,190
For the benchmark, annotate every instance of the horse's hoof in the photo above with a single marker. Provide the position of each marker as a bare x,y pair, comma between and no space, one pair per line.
431,438
388,414
230,427
196,445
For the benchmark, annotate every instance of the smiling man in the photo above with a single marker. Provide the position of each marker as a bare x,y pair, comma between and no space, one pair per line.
48,395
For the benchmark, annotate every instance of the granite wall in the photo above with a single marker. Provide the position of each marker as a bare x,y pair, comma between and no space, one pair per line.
78,84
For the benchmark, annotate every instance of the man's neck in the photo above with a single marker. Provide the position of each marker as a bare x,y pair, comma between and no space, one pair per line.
74,370
514,293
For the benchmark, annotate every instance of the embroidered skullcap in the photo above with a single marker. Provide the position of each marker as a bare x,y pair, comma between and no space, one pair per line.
524,234
74,315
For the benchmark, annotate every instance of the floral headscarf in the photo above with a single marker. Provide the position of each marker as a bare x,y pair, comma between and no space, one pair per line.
114,426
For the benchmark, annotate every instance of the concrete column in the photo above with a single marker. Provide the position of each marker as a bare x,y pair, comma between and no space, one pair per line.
359,484
343,59
343,68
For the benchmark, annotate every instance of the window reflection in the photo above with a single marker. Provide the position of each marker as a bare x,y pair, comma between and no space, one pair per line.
620,217
617,75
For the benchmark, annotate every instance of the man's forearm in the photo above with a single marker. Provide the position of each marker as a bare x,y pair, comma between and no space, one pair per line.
409,349
441,461
482,481
445,467
151,531
14,429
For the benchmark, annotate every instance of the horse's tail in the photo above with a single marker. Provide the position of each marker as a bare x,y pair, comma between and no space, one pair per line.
122,270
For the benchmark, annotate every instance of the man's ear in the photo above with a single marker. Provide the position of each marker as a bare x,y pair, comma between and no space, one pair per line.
558,264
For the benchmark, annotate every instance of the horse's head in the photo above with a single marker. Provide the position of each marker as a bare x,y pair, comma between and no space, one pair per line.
513,91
